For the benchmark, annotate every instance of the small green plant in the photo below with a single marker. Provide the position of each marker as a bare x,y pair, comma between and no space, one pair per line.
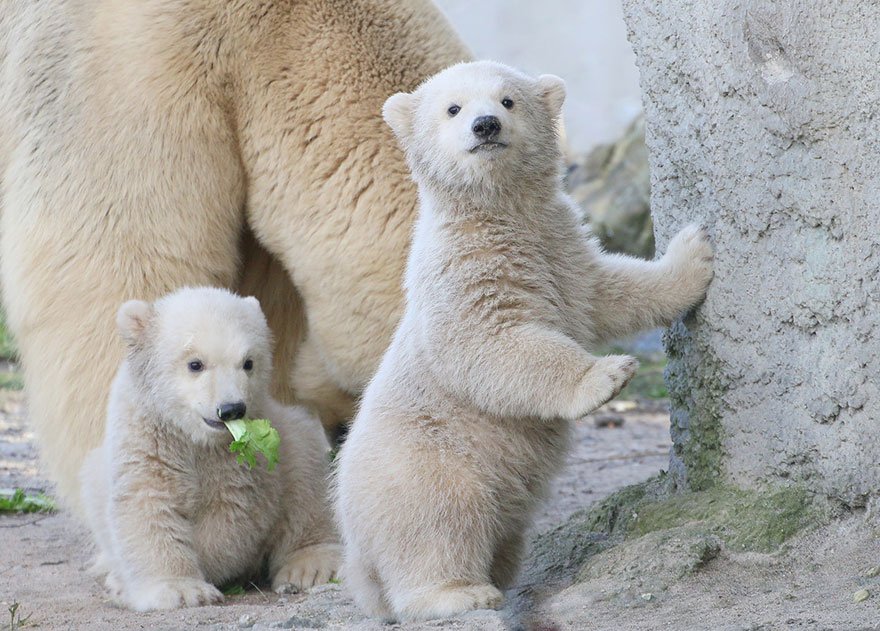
7,344
233,590
11,381
253,436
18,501
15,619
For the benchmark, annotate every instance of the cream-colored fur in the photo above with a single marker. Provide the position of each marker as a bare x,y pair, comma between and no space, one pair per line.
146,145
469,414
172,512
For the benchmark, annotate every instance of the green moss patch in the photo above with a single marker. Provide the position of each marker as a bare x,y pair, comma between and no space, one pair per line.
696,382
18,501
744,520
11,381
758,521
7,344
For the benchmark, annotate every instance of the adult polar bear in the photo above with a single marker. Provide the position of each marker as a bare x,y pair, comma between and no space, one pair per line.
149,144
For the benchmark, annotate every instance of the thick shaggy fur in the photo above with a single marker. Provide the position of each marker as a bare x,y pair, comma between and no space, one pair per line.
172,512
469,414
150,144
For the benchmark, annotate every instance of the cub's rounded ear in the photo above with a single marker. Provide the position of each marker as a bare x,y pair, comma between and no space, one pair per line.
552,89
132,320
398,113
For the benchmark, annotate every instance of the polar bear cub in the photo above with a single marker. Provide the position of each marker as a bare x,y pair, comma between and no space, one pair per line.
172,512
469,414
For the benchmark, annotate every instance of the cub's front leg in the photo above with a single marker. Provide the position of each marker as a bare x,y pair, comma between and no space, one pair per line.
531,370
688,261
306,552
158,564
308,566
305,549
631,295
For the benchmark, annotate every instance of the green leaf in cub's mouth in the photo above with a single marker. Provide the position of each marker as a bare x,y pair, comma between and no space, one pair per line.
252,436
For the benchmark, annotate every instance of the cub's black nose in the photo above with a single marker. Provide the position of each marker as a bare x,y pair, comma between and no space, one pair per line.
486,127
231,411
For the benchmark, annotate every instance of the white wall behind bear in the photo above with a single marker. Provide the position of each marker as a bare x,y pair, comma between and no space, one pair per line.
582,41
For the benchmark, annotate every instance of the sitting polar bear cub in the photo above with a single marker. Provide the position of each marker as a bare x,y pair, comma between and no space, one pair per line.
469,414
171,510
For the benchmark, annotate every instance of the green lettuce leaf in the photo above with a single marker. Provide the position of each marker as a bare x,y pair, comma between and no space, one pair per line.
252,436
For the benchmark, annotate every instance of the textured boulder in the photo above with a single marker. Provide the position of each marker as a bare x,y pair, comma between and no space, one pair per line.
760,125
612,184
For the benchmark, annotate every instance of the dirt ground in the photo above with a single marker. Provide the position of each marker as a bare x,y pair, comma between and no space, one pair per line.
808,585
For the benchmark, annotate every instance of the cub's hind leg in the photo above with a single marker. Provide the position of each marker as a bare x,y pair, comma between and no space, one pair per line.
364,583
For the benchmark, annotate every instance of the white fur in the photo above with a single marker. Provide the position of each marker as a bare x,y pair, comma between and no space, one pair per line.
172,512
468,416
146,145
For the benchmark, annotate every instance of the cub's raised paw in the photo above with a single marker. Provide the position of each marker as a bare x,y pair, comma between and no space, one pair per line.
692,241
689,257
604,381
309,566
174,593
115,587
619,369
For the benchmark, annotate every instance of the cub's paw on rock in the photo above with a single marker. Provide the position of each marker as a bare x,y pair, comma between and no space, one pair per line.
307,567
689,257
173,593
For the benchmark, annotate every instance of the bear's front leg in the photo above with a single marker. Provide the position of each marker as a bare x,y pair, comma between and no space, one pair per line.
632,295
173,593
305,548
311,565
158,564
531,370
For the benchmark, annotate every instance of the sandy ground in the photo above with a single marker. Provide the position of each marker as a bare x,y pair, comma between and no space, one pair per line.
809,585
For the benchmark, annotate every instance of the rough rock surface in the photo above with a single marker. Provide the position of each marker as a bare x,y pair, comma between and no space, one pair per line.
761,126
612,184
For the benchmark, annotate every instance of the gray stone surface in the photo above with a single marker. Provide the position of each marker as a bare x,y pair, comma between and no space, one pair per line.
761,126
612,184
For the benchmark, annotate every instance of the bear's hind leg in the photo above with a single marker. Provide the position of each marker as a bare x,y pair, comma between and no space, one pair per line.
446,599
505,565
444,571
364,584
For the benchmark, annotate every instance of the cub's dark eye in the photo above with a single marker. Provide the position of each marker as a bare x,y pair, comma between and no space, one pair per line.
248,364
507,103
195,366
453,110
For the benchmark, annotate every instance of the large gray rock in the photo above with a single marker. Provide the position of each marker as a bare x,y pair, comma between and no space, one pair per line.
612,184
762,126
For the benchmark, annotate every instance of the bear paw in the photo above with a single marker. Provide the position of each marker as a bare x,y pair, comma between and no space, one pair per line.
689,257
447,601
115,587
309,566
174,593
604,381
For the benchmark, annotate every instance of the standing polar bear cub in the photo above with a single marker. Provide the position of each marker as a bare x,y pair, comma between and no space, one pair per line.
469,414
172,512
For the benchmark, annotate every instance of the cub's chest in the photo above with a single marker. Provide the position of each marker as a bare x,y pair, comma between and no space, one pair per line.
222,487
232,511
495,250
